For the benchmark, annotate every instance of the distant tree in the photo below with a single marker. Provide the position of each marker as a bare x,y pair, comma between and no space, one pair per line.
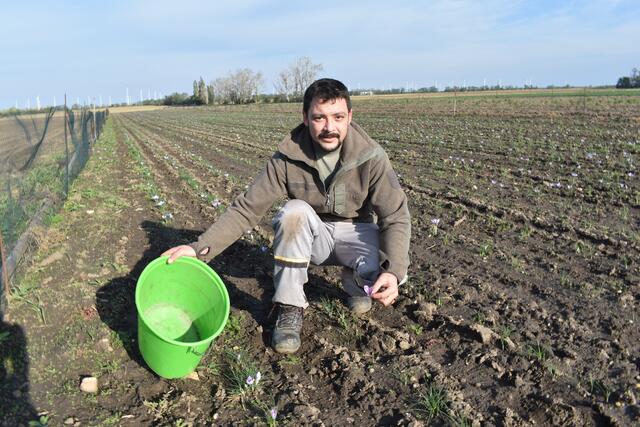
239,87
624,83
203,93
195,89
295,79
210,93
177,98
627,82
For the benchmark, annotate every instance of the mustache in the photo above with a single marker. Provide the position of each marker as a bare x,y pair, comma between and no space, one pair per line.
329,135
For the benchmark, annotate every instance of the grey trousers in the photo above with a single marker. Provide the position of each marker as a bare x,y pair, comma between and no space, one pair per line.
301,237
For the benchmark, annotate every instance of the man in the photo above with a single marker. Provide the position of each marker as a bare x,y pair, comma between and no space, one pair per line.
346,207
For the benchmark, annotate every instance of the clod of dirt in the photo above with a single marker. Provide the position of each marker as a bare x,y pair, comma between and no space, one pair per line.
89,385
425,311
69,421
482,333
306,411
104,345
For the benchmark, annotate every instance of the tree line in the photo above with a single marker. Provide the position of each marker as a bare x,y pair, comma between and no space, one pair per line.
627,82
242,86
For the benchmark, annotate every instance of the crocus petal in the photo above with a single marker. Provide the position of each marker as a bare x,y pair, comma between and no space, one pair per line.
274,413
250,380
368,290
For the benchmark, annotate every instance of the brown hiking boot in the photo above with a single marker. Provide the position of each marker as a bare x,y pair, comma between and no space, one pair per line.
286,333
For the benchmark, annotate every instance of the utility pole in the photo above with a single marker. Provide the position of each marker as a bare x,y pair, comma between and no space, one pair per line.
128,102
38,102
100,100
141,99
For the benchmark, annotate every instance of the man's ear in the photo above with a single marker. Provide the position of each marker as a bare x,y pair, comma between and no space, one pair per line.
305,119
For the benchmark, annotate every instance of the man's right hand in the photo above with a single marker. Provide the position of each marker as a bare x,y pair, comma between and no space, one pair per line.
178,251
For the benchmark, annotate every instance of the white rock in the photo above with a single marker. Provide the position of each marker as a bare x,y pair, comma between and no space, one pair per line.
89,385
193,376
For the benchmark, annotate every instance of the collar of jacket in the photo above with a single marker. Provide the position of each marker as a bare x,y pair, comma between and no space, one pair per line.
357,147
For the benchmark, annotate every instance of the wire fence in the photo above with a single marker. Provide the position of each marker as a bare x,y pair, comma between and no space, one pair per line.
40,155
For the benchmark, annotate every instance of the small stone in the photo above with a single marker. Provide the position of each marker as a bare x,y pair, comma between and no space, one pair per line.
518,381
259,329
90,212
104,345
404,345
192,376
313,371
89,385
215,416
69,421
371,370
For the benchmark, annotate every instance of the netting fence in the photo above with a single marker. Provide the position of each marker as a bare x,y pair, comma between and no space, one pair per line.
40,154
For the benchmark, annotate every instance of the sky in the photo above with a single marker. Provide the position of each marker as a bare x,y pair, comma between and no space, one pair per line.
94,50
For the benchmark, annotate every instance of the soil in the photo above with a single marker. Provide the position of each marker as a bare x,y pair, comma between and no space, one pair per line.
521,308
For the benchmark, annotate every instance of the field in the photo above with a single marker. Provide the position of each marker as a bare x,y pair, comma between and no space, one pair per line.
521,306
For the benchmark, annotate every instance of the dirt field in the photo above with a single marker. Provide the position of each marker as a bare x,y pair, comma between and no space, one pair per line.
521,308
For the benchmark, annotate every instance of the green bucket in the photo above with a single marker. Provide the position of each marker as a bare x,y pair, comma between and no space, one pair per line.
181,307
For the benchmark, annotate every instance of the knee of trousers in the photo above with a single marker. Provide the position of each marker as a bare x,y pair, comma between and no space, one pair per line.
293,209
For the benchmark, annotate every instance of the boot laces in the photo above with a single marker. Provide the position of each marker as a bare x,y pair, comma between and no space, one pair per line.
290,317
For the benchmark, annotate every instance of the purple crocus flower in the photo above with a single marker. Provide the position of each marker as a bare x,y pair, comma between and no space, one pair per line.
368,289
250,380
274,413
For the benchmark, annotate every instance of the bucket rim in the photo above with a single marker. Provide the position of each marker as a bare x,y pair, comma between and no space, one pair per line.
218,282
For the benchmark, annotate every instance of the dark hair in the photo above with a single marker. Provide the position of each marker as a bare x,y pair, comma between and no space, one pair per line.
325,90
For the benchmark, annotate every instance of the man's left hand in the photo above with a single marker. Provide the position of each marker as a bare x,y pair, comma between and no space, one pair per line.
385,289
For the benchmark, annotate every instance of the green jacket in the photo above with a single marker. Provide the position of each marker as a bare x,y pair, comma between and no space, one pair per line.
364,189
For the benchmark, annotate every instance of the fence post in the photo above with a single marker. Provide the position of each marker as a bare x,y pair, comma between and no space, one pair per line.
66,150
5,275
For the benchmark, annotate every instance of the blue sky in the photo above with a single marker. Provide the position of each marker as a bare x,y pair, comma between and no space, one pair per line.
92,49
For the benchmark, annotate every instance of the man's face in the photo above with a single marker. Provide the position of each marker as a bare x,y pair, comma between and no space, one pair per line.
328,122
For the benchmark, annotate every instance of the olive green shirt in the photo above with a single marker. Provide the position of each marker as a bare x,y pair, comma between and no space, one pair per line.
326,163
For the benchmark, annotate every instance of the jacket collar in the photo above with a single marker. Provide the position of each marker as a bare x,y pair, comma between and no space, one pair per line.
298,145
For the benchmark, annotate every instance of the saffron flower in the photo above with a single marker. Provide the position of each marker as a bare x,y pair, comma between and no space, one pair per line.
435,221
368,289
274,413
251,380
